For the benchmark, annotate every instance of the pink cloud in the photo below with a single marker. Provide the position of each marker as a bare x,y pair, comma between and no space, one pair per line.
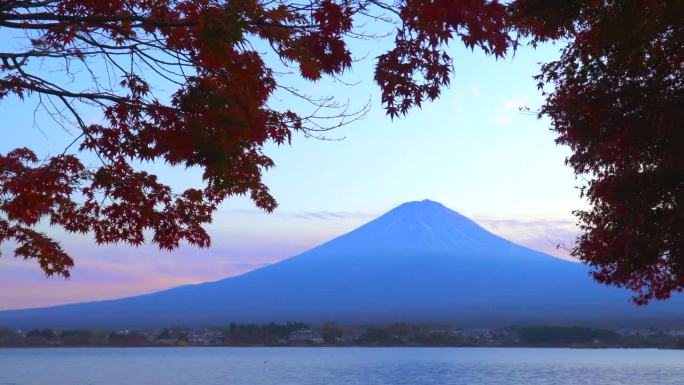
545,235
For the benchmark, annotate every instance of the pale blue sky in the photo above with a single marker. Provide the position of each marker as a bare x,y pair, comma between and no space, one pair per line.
471,150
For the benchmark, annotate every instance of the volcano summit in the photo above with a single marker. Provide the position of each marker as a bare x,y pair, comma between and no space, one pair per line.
418,262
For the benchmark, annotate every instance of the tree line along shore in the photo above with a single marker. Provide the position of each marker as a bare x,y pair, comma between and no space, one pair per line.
333,334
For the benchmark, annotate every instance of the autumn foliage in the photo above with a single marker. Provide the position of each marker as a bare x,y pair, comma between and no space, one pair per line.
614,97
618,103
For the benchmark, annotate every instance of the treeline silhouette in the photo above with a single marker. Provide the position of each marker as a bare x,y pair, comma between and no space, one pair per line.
333,334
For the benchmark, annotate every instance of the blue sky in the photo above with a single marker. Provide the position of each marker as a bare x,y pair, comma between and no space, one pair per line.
471,150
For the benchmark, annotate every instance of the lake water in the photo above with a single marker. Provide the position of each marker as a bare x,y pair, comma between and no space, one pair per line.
339,366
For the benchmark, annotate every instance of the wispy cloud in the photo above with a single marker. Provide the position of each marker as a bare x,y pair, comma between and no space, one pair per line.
551,236
309,215
458,98
24,285
513,104
507,109
503,119
327,215
457,102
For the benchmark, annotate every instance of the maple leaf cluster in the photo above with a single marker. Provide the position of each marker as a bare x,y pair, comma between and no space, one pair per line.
616,98
618,103
218,119
418,66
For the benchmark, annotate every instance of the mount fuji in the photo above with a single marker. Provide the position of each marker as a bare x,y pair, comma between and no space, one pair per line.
419,262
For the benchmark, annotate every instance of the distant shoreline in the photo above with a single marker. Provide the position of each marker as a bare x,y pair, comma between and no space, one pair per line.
333,335
336,347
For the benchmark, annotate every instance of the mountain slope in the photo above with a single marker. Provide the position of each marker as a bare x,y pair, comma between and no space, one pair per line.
418,262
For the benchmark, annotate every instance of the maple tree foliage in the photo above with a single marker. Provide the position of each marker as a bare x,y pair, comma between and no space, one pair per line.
615,100
219,117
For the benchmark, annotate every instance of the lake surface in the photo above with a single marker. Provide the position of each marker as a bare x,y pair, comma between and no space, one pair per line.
338,366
